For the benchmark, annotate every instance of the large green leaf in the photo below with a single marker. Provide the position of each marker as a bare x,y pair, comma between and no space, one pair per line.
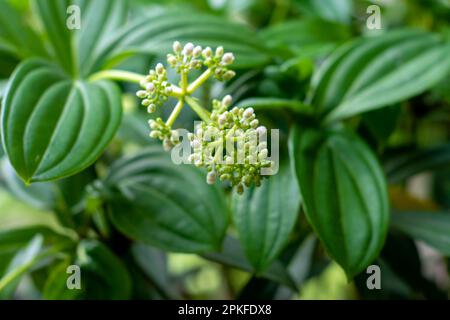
332,10
155,32
16,35
165,205
431,228
375,72
53,15
103,275
52,126
265,216
344,193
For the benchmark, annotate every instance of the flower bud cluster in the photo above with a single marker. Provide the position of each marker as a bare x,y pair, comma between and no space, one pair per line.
192,57
163,132
232,146
156,89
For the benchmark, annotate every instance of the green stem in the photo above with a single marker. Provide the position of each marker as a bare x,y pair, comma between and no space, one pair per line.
175,112
199,81
198,109
184,82
117,75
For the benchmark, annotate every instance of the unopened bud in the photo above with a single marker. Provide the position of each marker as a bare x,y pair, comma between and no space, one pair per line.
176,47
228,58
211,177
141,94
226,101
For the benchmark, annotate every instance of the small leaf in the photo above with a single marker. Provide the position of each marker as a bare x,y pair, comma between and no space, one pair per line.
344,194
20,264
265,217
375,72
431,228
165,205
54,127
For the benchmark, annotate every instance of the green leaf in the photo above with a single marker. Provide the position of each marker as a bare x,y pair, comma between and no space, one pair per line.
332,10
55,287
16,35
23,260
406,165
232,255
375,72
300,35
344,193
103,275
100,19
153,262
53,15
265,217
155,32
431,228
166,205
54,127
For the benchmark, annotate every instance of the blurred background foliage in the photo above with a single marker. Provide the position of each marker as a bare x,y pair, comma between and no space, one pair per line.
411,138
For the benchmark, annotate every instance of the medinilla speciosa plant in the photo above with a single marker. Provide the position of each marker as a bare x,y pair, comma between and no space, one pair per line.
76,143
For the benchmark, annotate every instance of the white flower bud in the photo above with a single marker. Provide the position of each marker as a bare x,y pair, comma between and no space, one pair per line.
228,75
222,119
175,136
226,101
176,47
154,134
235,111
248,113
159,68
211,177
152,123
228,58
261,130
172,60
188,48
151,108
254,123
167,144
195,144
262,146
141,94
219,51
150,87
197,51
207,52
262,155
168,90
145,102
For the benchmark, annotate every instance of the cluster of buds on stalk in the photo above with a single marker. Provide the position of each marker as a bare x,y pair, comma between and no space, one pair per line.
232,146
229,143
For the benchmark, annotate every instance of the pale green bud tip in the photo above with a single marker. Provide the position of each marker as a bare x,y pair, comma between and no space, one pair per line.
145,102
141,94
154,134
159,68
226,101
150,87
211,177
188,48
248,112
219,51
176,47
197,51
207,52
151,108
229,75
228,58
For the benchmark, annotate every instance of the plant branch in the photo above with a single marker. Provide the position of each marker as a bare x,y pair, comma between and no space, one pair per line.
198,109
